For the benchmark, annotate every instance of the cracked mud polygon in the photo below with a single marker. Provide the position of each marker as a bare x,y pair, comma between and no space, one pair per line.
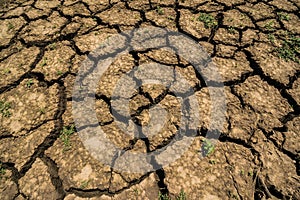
255,46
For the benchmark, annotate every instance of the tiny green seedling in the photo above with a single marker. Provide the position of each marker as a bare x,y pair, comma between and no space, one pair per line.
4,109
2,171
250,173
159,10
181,196
10,26
271,37
59,73
231,30
208,147
269,25
44,62
65,134
84,184
163,196
208,20
283,16
29,83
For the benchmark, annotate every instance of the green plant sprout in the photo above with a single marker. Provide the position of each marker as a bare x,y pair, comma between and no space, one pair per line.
289,49
4,109
208,20
159,10
29,83
65,134
208,147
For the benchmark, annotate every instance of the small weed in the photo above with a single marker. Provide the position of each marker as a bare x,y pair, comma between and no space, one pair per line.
242,172
44,62
59,73
6,71
136,192
52,46
208,147
10,26
42,110
290,49
231,30
159,10
208,20
65,136
271,37
269,25
181,196
29,83
163,196
170,18
250,173
84,184
4,109
2,171
283,16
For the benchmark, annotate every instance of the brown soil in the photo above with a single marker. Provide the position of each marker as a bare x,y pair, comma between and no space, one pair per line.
42,45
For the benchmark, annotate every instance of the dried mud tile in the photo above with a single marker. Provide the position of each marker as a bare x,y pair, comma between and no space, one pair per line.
17,11
103,112
19,150
12,68
162,2
8,188
163,55
42,4
111,77
278,170
30,106
93,40
36,184
258,11
210,7
164,17
43,30
295,91
14,48
233,69
231,2
225,50
77,167
75,9
249,36
243,121
118,13
188,73
34,13
147,189
206,175
139,4
284,5
9,29
224,36
96,6
153,90
235,19
265,100
292,138
118,134
272,65
191,3
189,23
56,61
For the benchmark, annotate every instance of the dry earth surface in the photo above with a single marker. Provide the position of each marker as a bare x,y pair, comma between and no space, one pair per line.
254,44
